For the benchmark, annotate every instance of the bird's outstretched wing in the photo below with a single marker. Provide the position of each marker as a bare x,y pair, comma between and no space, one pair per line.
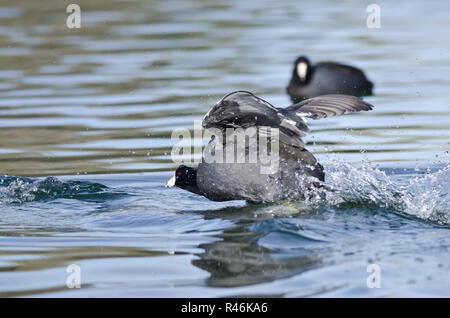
329,105
242,109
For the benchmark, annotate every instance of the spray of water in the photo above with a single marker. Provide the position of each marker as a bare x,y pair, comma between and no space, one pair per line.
425,196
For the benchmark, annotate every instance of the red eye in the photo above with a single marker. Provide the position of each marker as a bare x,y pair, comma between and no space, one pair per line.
179,173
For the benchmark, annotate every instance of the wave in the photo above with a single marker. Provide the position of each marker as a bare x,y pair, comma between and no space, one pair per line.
425,195
16,190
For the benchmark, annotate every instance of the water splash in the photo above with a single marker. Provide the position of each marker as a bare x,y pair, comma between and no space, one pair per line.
428,196
425,196
16,190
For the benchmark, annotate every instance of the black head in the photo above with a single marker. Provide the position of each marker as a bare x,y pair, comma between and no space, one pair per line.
185,178
302,69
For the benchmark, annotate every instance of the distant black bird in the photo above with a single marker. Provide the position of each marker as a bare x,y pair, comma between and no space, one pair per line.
326,78
296,169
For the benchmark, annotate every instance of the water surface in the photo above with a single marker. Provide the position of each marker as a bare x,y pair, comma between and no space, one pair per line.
86,117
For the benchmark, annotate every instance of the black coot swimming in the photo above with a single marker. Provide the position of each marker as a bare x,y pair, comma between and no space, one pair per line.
267,130
326,78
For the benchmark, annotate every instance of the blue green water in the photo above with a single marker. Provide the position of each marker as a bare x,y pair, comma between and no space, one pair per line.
85,138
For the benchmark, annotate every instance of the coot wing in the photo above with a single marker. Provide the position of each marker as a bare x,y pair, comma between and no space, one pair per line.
242,109
329,105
